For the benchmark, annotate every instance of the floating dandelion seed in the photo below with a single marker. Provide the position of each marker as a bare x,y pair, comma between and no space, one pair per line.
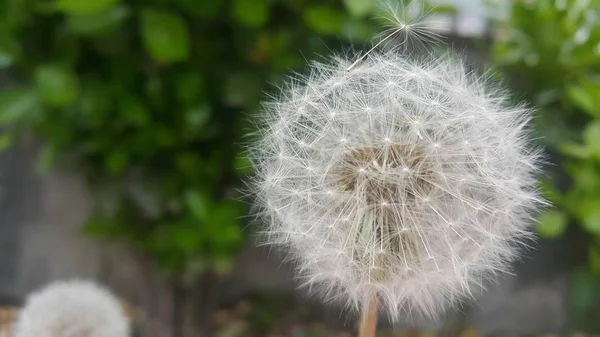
72,309
401,183
408,24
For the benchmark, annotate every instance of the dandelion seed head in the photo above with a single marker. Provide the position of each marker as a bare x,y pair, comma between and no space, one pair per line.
72,309
431,190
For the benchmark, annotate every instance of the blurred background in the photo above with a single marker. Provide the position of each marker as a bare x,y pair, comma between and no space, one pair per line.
122,129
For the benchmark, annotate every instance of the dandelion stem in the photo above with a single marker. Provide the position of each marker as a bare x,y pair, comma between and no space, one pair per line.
368,320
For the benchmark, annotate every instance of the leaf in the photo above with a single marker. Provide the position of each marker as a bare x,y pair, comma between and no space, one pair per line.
6,59
575,150
184,237
197,116
594,258
583,287
10,48
189,87
56,85
155,90
222,226
323,20
358,30
98,23
201,8
242,89
197,204
591,221
252,13
165,36
134,112
96,103
551,224
584,100
77,7
549,190
552,128
17,104
117,161
591,135
585,176
358,8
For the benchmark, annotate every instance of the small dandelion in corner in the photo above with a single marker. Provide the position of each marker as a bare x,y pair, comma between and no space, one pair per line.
396,183
72,309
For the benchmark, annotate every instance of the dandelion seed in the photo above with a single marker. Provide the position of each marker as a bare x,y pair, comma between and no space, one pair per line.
408,23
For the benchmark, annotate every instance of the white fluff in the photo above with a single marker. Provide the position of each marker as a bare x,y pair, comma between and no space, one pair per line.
72,309
407,180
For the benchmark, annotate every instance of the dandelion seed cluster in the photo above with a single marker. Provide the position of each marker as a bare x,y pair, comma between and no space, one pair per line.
72,309
410,181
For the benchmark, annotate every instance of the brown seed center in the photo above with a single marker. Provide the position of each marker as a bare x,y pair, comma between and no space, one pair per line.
386,178
395,173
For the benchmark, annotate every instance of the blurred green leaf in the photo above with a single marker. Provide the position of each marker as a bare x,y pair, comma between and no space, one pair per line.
98,23
585,177
552,223
584,100
197,116
323,20
575,150
10,48
222,226
242,89
357,30
549,191
77,7
57,86
134,112
117,161
17,104
6,59
165,36
190,87
591,135
155,89
252,13
591,220
201,8
197,204
96,102
359,8
594,258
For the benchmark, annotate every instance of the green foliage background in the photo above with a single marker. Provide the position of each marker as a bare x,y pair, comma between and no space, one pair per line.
550,52
149,99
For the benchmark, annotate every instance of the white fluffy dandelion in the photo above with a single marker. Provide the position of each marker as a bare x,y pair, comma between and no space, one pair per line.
400,180
72,309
